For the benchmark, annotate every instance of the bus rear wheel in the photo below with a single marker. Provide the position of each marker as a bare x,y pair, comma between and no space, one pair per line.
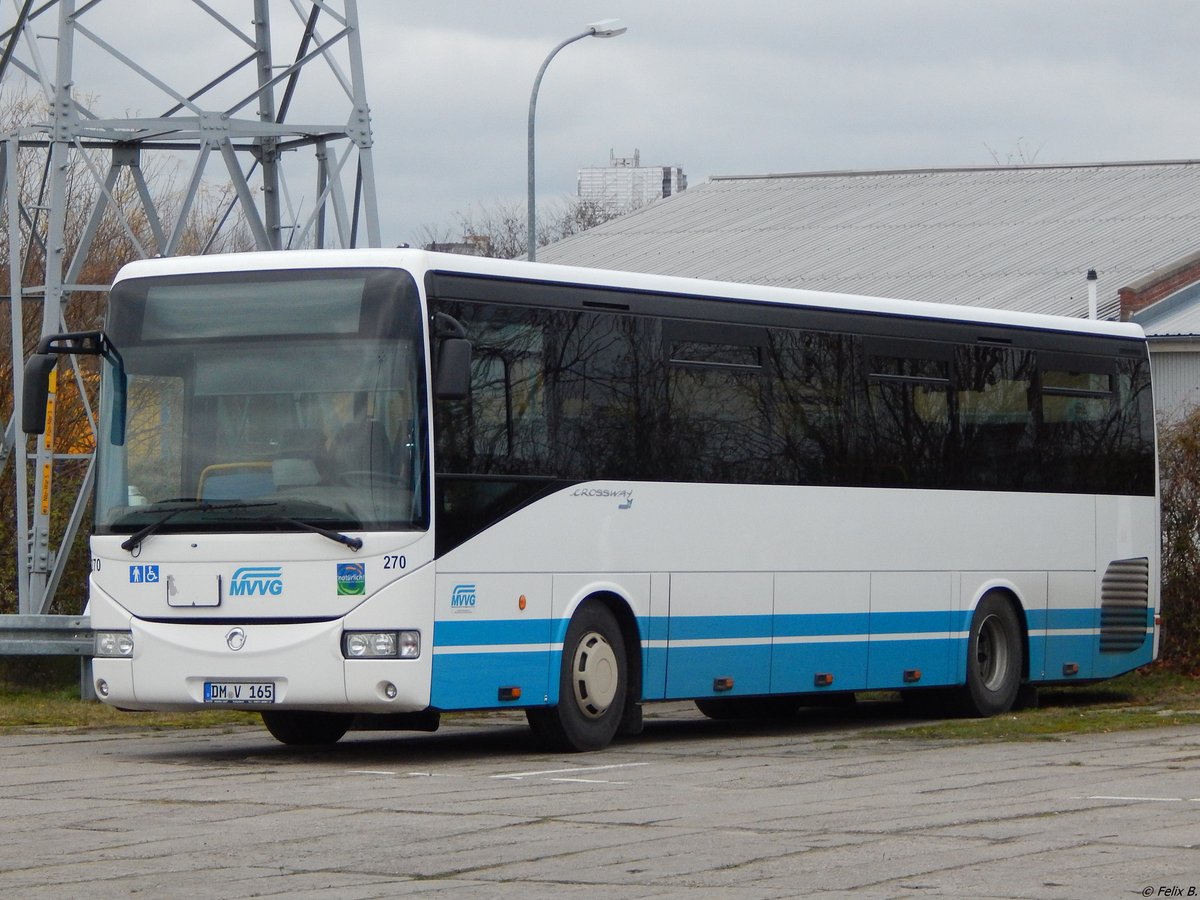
307,729
995,658
593,682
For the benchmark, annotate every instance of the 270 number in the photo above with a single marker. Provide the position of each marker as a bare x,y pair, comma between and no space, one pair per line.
392,561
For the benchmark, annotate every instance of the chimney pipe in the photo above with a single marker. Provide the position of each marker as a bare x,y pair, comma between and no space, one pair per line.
1093,309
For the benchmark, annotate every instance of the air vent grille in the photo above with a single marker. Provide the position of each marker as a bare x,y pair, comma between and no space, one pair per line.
1124,598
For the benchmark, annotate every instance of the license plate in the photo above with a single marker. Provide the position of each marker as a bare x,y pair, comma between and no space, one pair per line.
239,692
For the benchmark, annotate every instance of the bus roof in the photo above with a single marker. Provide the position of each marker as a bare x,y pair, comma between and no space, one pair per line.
418,262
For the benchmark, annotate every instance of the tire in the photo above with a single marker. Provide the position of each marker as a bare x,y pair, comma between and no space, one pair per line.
592,687
749,709
995,659
307,729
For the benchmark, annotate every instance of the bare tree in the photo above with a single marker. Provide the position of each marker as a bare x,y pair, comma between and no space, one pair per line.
499,230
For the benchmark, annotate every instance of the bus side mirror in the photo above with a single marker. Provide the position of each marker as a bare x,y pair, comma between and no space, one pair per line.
36,388
34,395
452,381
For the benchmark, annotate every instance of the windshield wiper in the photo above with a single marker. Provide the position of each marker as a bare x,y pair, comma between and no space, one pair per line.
353,543
135,539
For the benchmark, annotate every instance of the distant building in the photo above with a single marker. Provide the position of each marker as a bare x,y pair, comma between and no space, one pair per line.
627,184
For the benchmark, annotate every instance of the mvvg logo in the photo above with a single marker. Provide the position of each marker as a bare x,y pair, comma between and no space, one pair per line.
463,597
257,581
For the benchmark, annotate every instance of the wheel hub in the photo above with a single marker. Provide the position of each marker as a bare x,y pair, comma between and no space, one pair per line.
594,672
992,653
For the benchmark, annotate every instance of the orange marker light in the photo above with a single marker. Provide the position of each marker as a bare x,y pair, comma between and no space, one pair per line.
521,602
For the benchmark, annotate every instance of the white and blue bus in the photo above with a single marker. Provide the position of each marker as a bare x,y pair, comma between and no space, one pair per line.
361,488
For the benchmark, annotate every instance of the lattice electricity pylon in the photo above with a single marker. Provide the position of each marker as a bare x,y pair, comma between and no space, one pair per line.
74,178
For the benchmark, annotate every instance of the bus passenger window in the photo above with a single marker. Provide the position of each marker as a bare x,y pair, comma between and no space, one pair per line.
995,418
1075,396
907,430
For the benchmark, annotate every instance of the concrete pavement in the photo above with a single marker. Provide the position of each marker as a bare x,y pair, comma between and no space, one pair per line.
689,809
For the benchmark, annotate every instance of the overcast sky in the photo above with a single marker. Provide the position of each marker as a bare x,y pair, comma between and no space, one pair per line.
763,86
767,86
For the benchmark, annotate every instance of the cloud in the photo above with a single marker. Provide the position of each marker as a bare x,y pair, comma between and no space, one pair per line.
773,86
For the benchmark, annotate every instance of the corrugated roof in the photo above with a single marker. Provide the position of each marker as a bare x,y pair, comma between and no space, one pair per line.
1172,317
1019,238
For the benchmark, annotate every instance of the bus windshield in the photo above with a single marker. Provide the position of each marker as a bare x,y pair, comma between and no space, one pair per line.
257,402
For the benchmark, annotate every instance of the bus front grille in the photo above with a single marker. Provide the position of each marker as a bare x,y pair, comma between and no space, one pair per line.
1124,598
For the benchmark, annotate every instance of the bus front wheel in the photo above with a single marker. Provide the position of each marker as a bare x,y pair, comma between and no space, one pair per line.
592,685
307,729
994,658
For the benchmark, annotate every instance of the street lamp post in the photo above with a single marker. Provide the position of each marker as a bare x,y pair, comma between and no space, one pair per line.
605,29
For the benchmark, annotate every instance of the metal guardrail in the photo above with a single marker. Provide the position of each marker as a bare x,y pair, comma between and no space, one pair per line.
46,636
51,636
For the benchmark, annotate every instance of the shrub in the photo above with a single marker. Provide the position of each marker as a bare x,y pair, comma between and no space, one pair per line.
1179,462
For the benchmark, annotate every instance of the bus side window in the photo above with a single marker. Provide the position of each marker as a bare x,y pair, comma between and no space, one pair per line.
811,409
906,435
500,428
1077,410
995,417
716,400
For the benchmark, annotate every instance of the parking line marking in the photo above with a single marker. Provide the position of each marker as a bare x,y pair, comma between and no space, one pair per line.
588,781
1143,799
517,776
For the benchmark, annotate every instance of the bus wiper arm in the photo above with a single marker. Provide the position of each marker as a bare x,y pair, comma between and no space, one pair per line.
135,539
353,543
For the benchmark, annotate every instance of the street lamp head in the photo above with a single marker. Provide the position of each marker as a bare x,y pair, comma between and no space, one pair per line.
606,28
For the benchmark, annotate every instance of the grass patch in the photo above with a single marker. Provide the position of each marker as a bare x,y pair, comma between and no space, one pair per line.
1151,699
25,707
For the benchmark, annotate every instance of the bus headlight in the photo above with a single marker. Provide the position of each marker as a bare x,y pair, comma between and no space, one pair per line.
381,644
113,644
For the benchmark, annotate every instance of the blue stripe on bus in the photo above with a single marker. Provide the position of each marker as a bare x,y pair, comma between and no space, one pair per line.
696,628
795,666
820,624
1063,619
474,680
910,622
692,671
653,628
486,632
